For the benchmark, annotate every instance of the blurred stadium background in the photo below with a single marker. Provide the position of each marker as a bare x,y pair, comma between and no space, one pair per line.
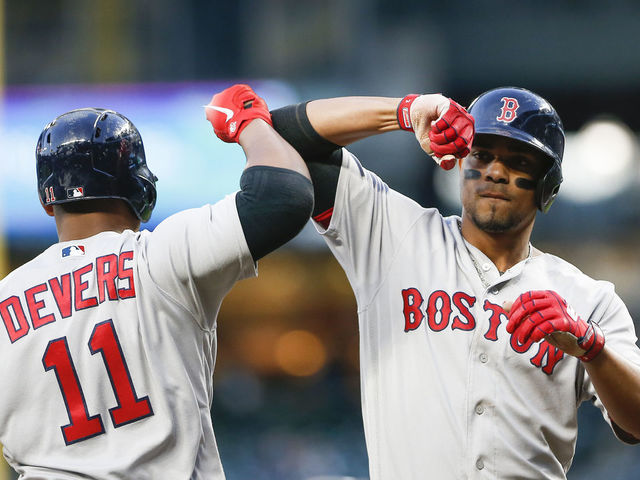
287,387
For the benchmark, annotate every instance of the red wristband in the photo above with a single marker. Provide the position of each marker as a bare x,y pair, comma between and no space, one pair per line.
403,112
593,340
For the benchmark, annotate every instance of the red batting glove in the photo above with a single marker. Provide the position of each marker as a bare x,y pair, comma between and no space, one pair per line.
450,136
536,314
231,110
453,132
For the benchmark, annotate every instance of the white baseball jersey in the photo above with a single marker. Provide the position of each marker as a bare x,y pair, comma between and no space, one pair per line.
107,348
446,392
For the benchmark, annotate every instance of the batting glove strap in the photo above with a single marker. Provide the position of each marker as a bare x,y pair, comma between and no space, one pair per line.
592,341
403,112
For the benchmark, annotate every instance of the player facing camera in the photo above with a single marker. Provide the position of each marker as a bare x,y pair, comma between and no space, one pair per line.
496,341
525,117
515,161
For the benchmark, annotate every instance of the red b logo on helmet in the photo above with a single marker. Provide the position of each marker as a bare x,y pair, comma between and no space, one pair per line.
508,111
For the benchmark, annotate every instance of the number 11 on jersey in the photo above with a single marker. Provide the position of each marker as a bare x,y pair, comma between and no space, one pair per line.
82,425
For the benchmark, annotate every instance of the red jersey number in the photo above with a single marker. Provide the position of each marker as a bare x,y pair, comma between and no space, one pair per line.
82,425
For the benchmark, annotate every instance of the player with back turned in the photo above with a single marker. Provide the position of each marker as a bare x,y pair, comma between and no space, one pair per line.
476,348
108,338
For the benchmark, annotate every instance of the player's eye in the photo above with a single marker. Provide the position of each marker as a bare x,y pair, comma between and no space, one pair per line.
522,164
483,156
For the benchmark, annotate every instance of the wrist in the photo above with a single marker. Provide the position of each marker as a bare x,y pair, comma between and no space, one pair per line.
593,342
253,130
403,112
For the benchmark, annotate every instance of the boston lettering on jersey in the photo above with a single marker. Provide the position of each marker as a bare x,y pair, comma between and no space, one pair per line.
113,276
454,311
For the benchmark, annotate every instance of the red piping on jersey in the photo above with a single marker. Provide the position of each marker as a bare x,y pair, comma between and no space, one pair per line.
324,218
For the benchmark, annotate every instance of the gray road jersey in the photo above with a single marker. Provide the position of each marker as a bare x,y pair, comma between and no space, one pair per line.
446,392
107,350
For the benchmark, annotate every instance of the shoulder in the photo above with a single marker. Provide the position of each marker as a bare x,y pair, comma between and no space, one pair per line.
42,262
574,282
562,269
431,230
592,298
63,257
560,265
195,222
440,225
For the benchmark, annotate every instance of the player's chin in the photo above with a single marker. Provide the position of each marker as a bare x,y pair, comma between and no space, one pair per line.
494,221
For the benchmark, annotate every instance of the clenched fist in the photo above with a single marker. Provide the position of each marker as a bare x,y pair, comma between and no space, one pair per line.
443,128
545,314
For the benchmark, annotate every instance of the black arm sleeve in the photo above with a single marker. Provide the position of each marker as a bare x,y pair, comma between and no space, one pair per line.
273,205
323,157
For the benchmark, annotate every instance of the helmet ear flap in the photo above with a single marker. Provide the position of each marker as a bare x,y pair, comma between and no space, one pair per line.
548,187
148,198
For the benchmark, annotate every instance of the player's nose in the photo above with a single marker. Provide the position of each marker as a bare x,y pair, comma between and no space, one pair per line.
497,171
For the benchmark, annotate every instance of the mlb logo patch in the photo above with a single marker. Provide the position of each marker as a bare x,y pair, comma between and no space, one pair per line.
75,192
73,251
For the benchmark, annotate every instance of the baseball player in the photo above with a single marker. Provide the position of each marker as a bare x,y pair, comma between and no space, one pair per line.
476,348
108,341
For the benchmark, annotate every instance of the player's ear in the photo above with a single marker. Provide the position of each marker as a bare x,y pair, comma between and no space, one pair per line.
47,208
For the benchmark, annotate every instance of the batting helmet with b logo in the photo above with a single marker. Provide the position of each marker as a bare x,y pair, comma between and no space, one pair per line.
524,116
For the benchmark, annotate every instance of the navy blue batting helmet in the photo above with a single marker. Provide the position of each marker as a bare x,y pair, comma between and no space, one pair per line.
527,117
94,153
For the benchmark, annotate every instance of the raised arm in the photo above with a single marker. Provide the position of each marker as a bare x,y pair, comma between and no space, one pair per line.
276,196
317,129
348,119
442,128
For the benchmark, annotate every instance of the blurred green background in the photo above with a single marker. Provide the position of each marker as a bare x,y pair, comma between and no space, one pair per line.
287,401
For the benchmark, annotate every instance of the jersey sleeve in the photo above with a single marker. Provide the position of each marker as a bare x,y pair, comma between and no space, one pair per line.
197,255
368,223
620,336
618,327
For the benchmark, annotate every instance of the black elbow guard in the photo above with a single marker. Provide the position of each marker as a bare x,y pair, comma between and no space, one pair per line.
273,205
323,157
292,123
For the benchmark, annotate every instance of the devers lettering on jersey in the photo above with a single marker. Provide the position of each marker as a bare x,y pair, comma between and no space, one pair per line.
438,311
114,277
